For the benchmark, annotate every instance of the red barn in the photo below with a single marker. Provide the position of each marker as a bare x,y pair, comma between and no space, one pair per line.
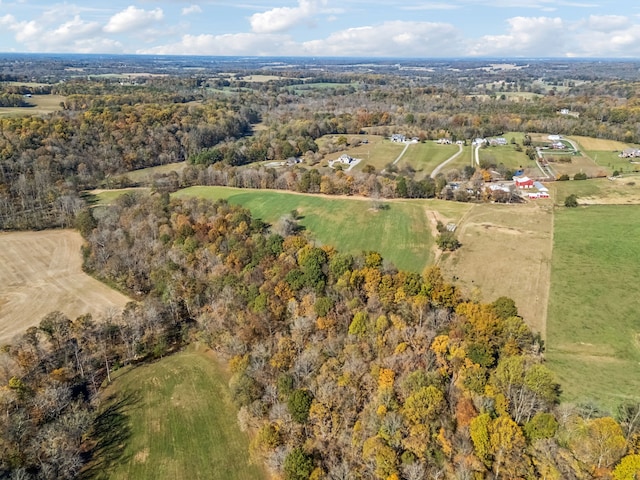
523,182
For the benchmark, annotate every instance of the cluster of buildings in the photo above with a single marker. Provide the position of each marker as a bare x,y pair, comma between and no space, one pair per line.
534,188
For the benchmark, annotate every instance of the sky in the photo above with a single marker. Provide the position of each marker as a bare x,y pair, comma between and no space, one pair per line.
331,28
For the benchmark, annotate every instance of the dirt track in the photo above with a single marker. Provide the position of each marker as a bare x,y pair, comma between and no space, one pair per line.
41,272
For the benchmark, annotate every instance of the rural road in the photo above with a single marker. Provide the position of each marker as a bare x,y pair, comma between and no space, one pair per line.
436,170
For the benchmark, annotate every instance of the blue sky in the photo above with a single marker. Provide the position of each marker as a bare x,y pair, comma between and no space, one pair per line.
406,28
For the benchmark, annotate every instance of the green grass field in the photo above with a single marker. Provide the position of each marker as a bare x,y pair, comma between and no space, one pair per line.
145,175
103,198
621,191
424,157
172,419
593,328
401,233
507,155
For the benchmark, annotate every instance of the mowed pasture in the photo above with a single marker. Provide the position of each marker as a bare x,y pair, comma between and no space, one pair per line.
378,151
172,419
506,155
402,231
593,330
603,191
41,272
506,251
425,157
42,105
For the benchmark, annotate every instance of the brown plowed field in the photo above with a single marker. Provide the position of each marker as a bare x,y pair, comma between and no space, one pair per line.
41,272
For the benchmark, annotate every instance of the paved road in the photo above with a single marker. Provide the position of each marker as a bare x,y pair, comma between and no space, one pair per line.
436,170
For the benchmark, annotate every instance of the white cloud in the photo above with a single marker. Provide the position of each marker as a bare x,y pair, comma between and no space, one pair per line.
607,23
132,18
527,36
391,39
229,44
281,19
612,38
191,9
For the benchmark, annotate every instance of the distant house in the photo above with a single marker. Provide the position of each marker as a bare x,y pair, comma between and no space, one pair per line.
523,182
398,138
479,141
558,146
554,138
630,153
291,161
497,141
346,159
444,141
564,111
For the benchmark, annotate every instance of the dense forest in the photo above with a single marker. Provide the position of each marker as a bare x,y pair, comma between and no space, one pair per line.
343,367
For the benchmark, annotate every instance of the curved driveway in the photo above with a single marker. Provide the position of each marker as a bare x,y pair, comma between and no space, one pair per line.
436,170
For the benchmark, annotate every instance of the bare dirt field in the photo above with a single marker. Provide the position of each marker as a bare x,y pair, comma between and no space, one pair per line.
506,251
41,272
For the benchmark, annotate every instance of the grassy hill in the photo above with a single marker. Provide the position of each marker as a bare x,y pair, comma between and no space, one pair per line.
401,233
172,419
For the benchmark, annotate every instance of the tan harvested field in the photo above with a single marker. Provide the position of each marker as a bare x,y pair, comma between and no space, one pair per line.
506,249
589,143
41,272
42,105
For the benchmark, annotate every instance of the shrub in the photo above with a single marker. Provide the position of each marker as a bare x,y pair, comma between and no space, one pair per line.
299,404
580,176
563,178
447,241
571,201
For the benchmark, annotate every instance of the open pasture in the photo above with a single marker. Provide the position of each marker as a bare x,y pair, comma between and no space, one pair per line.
378,151
42,105
172,419
41,272
506,155
401,233
145,175
425,157
619,191
577,164
506,251
593,330
598,144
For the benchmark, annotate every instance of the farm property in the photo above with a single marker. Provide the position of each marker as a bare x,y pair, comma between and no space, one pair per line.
401,233
41,272
593,330
506,251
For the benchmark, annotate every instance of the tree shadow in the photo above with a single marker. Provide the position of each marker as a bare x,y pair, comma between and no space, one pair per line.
110,434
